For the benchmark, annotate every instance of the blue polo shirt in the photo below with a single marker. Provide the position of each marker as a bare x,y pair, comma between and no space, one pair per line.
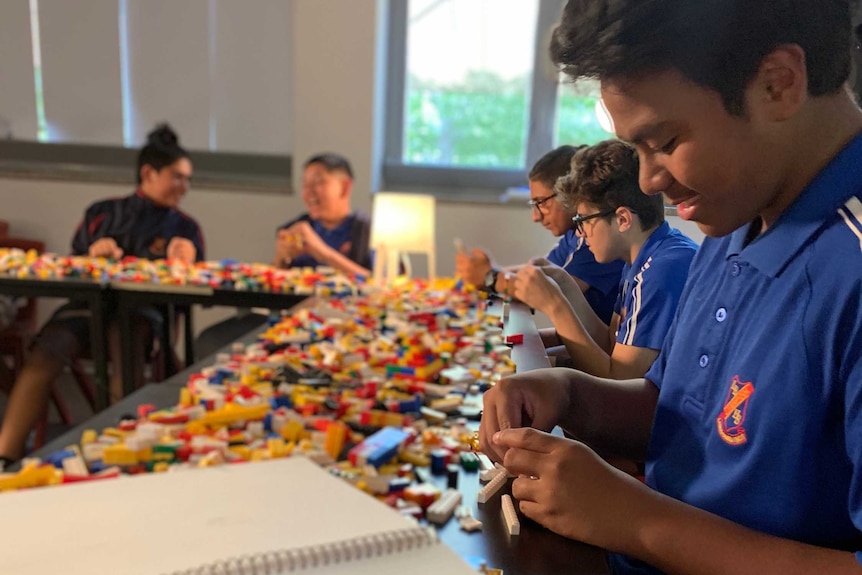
350,237
759,416
572,254
652,286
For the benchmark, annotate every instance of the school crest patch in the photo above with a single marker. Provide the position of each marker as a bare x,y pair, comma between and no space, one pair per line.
159,247
732,416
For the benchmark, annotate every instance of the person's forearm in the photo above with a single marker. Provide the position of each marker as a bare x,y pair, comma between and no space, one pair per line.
585,350
592,324
342,263
614,417
678,538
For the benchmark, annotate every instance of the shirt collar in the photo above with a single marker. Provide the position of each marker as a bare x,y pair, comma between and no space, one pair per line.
773,250
139,198
649,246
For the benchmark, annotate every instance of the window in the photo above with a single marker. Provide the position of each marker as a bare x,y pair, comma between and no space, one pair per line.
474,97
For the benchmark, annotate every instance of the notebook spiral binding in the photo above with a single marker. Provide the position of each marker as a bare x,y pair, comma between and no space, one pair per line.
297,560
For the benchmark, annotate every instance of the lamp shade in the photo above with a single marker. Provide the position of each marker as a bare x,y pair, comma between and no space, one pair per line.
401,224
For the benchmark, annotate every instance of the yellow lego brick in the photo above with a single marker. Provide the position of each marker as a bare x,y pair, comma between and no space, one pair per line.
232,413
119,454
30,477
89,436
185,397
161,467
145,454
292,430
242,450
114,432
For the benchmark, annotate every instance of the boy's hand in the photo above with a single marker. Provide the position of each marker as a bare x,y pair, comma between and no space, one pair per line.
105,248
182,249
565,486
533,287
472,267
538,398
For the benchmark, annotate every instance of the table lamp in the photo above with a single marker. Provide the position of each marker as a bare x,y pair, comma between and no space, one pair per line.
401,224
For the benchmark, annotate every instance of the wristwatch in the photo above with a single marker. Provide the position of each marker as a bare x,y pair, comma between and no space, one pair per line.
490,280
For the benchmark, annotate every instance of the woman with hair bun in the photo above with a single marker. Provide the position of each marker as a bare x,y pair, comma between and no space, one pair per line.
146,224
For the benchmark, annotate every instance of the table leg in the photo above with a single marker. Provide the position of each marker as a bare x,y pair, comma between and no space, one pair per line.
127,348
189,334
166,340
99,351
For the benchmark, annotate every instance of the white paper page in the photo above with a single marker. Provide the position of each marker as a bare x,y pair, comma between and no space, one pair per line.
162,523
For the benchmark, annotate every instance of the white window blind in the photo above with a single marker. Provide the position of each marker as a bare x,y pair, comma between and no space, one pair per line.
18,117
218,70
81,71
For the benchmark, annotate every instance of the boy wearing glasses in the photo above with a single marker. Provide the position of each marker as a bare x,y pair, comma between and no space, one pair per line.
597,281
750,420
618,222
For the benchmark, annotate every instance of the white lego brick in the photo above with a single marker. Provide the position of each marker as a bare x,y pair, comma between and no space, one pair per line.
441,510
513,525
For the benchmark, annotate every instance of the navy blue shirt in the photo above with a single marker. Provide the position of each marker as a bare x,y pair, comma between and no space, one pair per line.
572,254
652,286
759,415
140,227
351,238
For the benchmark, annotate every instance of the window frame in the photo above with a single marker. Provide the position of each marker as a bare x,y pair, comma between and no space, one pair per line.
471,184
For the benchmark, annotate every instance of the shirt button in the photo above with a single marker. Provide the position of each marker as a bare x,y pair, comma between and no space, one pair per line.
704,360
735,269
720,315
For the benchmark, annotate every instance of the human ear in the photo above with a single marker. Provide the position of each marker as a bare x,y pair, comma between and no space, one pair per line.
780,86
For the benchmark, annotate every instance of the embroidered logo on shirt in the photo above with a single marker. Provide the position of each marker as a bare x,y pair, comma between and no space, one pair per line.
732,416
159,247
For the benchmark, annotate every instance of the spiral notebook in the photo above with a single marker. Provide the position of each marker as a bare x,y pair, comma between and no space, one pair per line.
277,517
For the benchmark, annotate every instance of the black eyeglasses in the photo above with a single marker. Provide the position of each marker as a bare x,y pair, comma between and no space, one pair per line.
579,220
537,203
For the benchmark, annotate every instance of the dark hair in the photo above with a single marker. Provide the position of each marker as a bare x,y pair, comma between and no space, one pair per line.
162,149
332,162
553,165
718,44
606,176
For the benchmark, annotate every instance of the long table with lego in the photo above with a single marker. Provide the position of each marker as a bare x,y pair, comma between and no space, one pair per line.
350,385
131,282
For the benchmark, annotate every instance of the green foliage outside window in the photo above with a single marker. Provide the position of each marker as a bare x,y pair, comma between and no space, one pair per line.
482,122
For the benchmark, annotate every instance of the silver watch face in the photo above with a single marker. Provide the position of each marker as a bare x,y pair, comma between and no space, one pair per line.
490,279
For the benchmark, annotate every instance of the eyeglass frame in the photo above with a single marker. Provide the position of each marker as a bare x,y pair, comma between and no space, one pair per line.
579,220
536,204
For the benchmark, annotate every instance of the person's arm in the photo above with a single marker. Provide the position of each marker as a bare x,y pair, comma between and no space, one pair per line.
621,362
591,351
614,417
313,245
573,289
566,487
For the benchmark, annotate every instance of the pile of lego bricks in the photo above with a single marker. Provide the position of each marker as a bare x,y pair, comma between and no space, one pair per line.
225,274
374,387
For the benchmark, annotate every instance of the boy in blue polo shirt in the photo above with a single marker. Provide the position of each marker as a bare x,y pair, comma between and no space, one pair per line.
329,233
597,281
618,222
750,420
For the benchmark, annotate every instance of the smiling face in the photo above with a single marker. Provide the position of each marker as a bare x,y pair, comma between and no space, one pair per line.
166,187
550,212
326,194
720,170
